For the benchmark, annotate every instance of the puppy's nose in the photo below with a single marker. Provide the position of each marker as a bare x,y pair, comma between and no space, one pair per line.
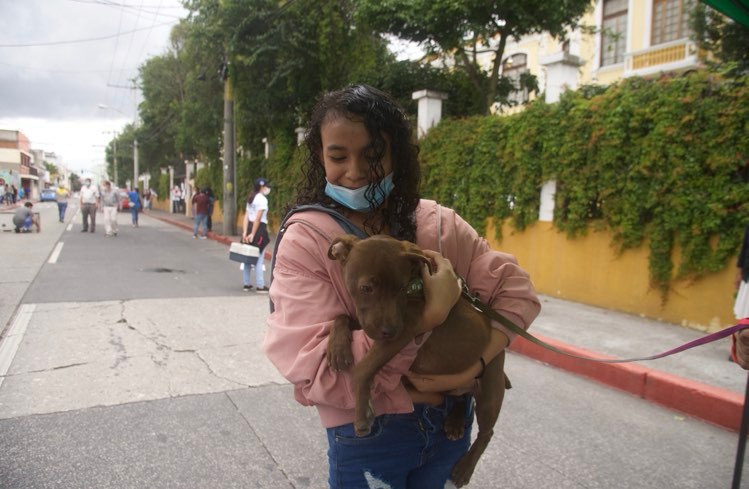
388,332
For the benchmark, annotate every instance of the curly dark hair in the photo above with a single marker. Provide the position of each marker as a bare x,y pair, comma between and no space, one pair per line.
381,115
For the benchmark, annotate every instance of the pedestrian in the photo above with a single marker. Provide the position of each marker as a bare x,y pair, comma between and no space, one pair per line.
89,203
14,196
740,349
154,196
176,196
212,200
135,205
62,201
362,161
24,217
255,232
110,205
8,195
146,200
21,193
200,203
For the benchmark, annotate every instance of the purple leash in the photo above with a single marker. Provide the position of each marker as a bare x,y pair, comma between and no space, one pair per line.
743,324
492,314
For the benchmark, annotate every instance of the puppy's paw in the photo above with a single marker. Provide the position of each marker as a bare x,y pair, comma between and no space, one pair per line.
364,427
339,353
455,423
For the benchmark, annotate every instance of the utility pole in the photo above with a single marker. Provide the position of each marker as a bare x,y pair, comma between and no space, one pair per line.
230,201
135,164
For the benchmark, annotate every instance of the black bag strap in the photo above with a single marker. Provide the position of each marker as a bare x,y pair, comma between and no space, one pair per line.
348,226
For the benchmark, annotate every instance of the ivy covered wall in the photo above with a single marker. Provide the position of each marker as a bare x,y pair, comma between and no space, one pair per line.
662,163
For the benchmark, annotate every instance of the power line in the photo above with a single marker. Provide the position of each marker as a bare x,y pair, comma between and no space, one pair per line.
91,39
68,72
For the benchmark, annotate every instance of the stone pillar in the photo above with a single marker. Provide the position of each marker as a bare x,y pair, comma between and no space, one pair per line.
562,73
430,109
546,210
268,148
187,188
171,186
299,135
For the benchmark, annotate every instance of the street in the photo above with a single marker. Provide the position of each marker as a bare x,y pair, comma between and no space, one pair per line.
138,364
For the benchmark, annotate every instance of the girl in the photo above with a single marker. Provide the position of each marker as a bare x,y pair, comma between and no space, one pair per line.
362,162
256,219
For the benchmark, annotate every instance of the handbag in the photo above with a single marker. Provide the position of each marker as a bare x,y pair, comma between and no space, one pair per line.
244,253
261,237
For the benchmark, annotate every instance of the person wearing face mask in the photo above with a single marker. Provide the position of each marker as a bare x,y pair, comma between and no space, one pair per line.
89,201
362,161
255,232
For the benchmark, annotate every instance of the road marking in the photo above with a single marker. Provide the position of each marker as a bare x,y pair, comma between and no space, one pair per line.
9,345
56,253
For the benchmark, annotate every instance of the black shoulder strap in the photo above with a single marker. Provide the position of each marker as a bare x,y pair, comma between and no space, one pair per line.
348,226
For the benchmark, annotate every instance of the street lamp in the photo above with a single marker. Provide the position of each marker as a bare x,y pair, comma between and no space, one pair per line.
135,149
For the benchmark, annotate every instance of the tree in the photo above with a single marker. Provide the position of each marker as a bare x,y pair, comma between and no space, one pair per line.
463,30
51,169
725,39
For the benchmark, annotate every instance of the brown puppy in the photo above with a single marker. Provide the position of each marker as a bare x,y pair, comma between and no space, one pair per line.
382,275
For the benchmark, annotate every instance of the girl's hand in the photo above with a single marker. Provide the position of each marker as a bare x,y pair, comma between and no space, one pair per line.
450,384
441,291
462,382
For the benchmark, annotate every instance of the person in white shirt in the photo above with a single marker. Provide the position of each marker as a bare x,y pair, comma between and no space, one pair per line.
176,197
256,222
89,204
110,205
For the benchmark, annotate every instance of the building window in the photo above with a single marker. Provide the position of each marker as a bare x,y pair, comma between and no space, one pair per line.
613,32
670,20
514,67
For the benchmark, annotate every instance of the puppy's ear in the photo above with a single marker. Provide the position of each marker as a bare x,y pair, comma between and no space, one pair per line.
340,248
418,259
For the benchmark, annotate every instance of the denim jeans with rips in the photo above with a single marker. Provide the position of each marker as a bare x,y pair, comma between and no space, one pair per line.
403,451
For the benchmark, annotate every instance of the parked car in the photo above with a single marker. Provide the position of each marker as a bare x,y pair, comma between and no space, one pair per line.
48,195
124,199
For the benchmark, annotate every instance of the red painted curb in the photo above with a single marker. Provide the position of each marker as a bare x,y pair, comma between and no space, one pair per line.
712,404
211,235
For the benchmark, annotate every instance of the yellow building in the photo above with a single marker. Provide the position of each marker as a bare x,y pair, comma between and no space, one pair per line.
630,38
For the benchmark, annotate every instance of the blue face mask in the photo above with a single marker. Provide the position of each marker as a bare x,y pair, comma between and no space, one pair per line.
356,199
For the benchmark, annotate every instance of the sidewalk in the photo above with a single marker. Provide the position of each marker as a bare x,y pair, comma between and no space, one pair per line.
700,382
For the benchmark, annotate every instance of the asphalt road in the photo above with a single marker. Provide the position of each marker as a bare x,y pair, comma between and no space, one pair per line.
138,365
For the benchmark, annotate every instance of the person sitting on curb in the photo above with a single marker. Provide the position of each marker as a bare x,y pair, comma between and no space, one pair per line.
24,218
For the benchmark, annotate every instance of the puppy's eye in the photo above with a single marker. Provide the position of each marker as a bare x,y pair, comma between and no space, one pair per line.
366,289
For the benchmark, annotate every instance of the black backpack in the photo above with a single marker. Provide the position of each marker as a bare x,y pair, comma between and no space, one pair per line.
348,226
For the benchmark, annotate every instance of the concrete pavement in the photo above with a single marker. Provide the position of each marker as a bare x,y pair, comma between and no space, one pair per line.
700,382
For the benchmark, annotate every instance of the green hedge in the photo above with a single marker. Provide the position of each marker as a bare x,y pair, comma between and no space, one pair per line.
659,161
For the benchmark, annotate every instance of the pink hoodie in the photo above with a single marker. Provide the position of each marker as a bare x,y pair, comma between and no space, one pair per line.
308,293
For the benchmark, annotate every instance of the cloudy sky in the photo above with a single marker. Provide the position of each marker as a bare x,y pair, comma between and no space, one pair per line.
61,59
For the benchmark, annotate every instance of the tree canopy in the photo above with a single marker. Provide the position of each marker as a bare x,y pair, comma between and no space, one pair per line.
463,30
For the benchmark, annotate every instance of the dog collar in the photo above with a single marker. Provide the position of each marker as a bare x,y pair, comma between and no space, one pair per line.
415,288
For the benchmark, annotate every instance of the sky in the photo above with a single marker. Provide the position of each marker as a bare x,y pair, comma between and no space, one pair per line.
61,59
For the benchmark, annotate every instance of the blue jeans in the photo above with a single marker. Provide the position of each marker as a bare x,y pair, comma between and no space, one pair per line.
61,207
134,215
200,220
259,273
403,451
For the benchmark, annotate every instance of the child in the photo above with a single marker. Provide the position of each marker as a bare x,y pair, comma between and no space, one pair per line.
363,162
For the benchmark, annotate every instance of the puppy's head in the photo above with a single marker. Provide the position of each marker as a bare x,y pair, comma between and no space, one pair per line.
377,272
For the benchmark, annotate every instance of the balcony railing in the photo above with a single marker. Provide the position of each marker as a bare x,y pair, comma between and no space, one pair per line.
675,55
